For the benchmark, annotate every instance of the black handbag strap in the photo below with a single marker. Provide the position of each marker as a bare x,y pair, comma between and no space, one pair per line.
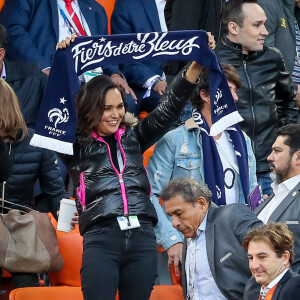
24,209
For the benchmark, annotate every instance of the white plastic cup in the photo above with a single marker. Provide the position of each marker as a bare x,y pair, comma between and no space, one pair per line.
66,214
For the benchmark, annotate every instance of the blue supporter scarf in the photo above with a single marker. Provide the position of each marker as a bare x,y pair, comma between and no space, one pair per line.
57,121
213,168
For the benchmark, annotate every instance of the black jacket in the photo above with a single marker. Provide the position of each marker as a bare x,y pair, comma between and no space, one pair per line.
297,15
99,195
266,98
29,82
195,15
5,164
192,15
29,164
281,28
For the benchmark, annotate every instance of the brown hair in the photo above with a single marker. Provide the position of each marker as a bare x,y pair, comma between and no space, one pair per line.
90,103
276,235
231,75
12,124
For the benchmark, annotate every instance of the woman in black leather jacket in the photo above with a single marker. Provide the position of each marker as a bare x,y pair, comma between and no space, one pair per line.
116,215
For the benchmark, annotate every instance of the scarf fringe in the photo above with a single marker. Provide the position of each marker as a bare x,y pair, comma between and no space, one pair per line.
225,122
51,144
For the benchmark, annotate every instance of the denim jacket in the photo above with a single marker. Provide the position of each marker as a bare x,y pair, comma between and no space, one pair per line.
179,154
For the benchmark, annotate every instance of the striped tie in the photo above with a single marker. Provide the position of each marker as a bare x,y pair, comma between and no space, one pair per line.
74,17
267,293
263,294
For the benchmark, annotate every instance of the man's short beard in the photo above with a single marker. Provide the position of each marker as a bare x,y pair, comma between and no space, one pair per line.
275,177
279,176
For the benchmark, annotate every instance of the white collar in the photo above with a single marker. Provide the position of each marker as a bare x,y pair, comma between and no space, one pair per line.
289,183
3,72
274,281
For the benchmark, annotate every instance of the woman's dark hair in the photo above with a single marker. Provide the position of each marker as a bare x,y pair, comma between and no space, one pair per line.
90,102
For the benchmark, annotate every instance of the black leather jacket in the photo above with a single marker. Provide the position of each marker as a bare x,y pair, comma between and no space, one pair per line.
266,98
99,187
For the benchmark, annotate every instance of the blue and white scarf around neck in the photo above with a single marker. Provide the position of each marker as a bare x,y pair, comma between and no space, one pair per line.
213,169
57,121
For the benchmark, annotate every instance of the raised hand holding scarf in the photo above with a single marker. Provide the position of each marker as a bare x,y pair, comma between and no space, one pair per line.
56,125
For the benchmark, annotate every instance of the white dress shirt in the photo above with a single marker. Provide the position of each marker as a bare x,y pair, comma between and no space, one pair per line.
160,4
264,290
230,168
64,29
3,72
200,282
281,191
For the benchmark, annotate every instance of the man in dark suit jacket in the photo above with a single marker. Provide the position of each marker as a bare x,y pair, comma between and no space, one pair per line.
33,28
140,16
283,205
27,80
271,251
221,271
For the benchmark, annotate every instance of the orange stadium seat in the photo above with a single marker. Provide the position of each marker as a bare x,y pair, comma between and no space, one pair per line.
167,292
160,292
70,247
147,154
47,293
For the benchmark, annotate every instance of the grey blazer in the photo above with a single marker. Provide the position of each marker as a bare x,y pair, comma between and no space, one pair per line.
225,230
288,212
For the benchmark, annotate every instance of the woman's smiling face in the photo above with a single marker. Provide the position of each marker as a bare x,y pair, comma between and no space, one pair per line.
113,113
